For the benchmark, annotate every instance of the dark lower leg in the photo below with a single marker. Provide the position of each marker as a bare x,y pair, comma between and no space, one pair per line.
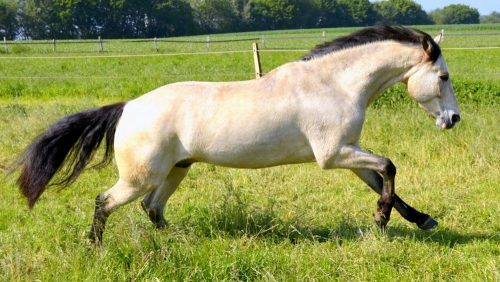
386,201
99,223
410,213
375,181
383,212
154,214
154,202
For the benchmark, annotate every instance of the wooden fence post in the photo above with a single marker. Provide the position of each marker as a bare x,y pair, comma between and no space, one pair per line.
324,37
256,60
208,42
5,44
263,41
54,45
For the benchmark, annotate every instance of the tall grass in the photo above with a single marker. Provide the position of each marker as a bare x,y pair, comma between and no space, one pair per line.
284,223
290,222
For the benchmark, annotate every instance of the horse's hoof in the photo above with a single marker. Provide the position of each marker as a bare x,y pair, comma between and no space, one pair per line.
155,216
94,239
428,224
380,220
161,224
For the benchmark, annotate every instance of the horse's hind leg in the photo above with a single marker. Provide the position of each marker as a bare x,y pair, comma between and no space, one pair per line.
154,202
375,181
121,193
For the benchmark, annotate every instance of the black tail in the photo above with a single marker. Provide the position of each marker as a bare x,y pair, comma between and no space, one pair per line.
74,139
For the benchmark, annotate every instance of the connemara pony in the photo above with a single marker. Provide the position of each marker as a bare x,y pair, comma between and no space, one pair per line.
304,111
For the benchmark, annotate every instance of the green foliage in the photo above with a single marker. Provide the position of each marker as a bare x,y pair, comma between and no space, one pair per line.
402,12
494,17
111,18
215,15
151,18
359,12
60,19
269,14
170,18
455,14
45,19
306,13
332,13
8,19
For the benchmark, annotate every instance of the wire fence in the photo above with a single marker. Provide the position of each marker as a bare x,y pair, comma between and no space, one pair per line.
206,44
195,46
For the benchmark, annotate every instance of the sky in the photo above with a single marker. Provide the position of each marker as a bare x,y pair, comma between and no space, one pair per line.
485,7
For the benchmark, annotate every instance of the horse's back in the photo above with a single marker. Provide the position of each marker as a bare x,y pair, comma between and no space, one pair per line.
228,124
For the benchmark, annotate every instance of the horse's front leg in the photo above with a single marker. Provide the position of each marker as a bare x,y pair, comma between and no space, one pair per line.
352,157
375,181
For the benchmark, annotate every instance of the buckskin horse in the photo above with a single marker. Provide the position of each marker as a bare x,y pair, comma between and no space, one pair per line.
310,110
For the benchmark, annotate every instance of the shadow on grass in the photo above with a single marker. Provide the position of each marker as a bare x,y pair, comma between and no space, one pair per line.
237,218
441,235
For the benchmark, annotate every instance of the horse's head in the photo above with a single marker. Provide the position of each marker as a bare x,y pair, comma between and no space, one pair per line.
429,84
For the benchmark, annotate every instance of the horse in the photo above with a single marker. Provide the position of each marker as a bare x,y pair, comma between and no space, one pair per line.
309,110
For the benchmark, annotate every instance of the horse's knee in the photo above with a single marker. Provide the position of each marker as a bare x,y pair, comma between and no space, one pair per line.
388,168
385,203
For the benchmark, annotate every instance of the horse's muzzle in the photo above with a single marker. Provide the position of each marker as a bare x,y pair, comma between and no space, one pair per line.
447,121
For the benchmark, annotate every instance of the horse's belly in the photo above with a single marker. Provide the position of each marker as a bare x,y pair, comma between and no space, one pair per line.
257,157
257,150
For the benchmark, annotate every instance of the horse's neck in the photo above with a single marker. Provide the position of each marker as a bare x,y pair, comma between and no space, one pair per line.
366,71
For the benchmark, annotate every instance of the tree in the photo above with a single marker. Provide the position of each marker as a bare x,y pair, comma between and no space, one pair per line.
455,14
8,21
41,19
494,17
332,14
108,18
359,12
401,12
306,13
212,16
170,18
270,14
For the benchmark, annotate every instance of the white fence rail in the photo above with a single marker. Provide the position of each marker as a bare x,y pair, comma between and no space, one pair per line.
161,45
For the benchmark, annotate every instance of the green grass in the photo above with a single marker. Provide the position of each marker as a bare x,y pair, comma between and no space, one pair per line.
475,74
290,222
284,223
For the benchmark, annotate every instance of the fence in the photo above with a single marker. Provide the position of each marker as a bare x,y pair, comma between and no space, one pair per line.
158,45
199,44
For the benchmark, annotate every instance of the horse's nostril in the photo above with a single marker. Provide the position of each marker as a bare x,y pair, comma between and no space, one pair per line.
455,118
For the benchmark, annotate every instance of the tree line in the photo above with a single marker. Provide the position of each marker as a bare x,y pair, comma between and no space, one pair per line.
46,19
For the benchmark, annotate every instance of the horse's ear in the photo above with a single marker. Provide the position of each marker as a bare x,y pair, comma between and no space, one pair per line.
439,37
427,45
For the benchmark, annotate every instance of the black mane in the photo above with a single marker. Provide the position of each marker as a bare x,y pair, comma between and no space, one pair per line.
376,33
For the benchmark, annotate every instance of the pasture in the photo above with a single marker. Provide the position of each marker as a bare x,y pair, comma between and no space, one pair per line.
284,223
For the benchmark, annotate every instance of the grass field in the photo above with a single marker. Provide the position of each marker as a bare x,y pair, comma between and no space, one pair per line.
284,223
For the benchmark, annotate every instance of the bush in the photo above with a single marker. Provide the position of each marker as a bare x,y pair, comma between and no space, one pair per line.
494,17
455,14
404,12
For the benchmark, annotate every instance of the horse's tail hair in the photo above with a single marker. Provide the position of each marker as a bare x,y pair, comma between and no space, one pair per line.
73,139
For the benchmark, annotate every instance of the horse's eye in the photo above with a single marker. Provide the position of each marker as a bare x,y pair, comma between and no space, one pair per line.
444,77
